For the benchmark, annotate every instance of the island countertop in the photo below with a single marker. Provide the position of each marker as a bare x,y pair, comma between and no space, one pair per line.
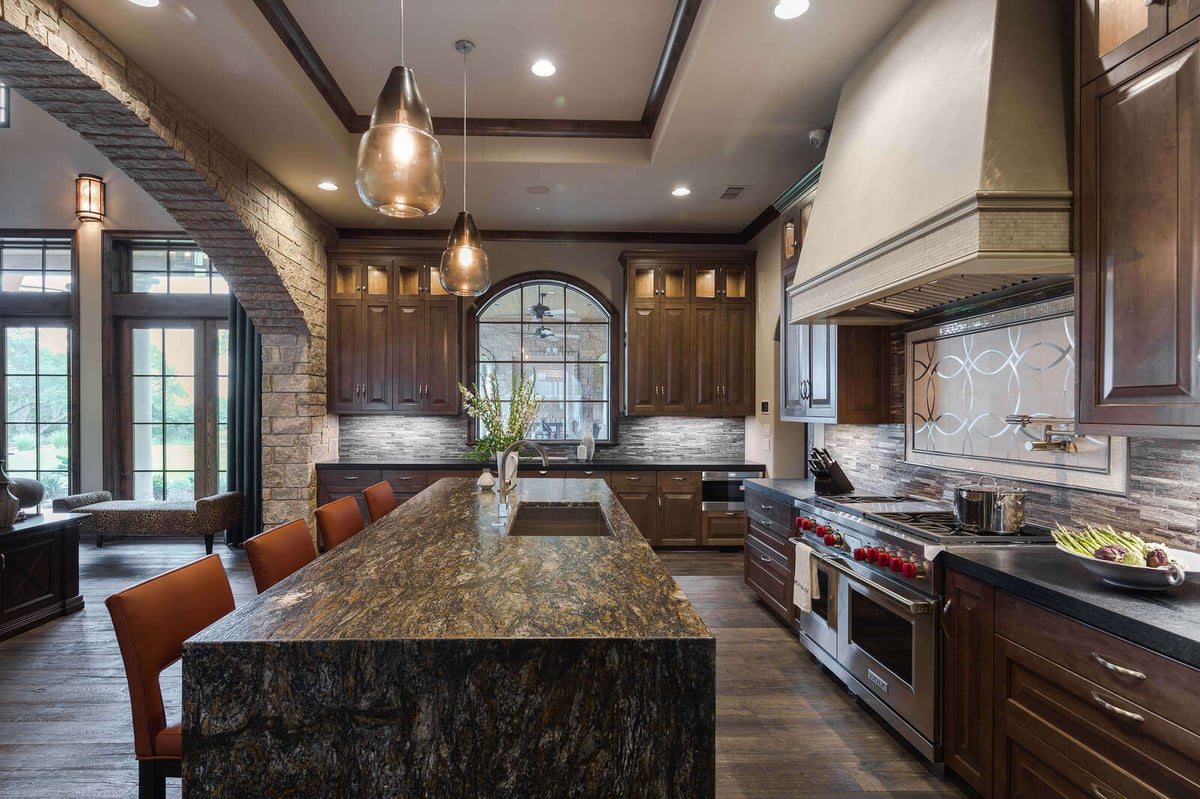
438,567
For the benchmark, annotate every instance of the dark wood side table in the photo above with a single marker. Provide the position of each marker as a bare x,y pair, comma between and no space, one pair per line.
39,571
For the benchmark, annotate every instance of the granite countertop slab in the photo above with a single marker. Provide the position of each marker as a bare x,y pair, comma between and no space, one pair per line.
438,568
1166,622
599,463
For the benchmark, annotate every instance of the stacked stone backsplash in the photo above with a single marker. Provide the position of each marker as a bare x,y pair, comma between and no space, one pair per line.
401,438
1164,483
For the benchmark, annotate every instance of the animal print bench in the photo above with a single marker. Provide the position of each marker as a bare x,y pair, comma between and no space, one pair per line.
118,517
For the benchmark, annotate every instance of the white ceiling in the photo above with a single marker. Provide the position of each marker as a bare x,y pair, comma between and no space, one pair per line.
746,93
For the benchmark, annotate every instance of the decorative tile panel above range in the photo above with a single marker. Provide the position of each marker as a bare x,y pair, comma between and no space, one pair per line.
965,377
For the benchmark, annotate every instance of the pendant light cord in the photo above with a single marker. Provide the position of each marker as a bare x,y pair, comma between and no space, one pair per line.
402,34
464,130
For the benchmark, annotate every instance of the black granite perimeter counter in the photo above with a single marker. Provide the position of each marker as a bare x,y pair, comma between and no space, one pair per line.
434,655
599,463
1166,622
784,489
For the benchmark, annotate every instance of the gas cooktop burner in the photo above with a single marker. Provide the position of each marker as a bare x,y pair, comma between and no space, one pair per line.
942,524
861,499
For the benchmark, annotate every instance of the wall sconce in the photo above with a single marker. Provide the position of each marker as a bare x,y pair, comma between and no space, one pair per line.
89,198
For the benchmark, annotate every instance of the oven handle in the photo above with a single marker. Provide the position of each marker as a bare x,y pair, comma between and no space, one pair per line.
913,607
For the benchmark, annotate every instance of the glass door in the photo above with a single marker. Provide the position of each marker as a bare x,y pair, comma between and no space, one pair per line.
176,415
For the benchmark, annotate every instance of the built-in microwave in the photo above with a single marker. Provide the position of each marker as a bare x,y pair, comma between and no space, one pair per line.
723,491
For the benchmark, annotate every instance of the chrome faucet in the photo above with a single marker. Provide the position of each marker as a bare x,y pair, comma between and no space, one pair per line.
502,466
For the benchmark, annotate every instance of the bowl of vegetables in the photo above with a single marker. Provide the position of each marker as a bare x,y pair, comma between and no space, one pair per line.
1126,560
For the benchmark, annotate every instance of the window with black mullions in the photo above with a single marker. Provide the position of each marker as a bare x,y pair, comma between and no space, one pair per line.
35,265
37,404
164,266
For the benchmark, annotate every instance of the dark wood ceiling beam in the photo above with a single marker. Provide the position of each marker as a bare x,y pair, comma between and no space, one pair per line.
293,37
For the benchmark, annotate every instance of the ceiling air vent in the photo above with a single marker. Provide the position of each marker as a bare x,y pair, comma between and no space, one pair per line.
733,192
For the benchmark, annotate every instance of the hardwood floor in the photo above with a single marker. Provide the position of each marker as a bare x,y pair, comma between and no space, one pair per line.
784,728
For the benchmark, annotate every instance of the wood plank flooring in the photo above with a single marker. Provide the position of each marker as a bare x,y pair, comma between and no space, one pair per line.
784,728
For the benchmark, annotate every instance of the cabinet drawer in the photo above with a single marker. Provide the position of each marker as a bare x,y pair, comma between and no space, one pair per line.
342,479
765,571
583,474
634,481
1029,770
781,514
769,532
405,481
678,481
1106,734
1134,674
724,528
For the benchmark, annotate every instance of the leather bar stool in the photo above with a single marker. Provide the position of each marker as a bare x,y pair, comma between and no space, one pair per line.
152,620
278,552
338,521
380,500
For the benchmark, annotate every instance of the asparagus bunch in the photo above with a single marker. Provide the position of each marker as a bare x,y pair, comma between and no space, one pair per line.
1090,539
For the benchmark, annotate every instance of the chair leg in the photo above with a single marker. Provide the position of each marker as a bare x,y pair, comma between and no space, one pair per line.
99,540
152,780
208,544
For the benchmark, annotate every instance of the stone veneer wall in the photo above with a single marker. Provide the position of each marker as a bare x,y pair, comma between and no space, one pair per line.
1164,477
401,438
265,242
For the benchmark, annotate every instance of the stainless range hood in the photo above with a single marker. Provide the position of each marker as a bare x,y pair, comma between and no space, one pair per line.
948,169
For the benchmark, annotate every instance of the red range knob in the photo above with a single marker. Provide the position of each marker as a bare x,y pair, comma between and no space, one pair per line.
831,540
806,524
910,570
872,555
897,564
799,522
860,554
821,530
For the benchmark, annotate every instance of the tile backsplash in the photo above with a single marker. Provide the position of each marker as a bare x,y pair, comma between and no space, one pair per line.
417,437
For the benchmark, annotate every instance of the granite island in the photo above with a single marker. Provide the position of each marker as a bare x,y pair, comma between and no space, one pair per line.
435,655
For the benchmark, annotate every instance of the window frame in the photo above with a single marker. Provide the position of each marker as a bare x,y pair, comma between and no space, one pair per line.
120,248
616,374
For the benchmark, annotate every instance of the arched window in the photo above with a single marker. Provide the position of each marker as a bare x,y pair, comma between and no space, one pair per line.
560,329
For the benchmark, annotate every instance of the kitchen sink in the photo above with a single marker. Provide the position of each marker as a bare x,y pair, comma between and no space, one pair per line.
532,519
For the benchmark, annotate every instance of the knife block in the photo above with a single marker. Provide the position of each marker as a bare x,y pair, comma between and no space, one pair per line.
835,483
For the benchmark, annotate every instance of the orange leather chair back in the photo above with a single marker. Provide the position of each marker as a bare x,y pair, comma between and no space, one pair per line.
278,552
152,620
338,521
380,500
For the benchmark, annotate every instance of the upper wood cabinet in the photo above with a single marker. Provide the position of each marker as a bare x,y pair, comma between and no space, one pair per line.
834,374
393,336
1138,314
689,338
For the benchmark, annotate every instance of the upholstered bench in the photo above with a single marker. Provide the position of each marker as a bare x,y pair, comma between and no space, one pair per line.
118,517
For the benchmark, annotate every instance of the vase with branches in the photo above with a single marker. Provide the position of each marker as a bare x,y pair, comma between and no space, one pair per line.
501,427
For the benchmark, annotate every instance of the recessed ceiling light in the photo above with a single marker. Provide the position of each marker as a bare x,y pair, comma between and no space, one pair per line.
790,9
327,185
681,191
145,3
543,68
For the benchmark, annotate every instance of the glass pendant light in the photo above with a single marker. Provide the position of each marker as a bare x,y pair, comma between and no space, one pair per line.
400,168
464,269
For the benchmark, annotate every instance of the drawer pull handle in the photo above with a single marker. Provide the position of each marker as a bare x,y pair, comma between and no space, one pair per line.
731,513
946,615
1120,713
403,479
678,479
766,507
764,558
350,478
1124,672
1096,792
633,479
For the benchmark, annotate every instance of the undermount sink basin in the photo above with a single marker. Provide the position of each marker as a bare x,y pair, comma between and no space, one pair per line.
559,520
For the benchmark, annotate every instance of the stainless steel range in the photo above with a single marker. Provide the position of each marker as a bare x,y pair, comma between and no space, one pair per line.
877,603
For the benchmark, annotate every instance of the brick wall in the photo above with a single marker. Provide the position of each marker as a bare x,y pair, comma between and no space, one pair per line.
265,242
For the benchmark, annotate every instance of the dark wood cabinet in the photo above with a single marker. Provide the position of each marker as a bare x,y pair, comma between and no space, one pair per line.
689,347
723,528
834,374
1110,31
39,572
769,555
679,503
638,494
1181,12
1138,314
393,336
967,624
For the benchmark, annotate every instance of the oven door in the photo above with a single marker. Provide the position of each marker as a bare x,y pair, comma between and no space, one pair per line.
887,640
821,624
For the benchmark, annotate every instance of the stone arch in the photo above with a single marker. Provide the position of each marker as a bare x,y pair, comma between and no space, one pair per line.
265,241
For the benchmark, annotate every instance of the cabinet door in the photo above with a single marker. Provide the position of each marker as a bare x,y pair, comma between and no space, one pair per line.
737,284
864,378
345,280
408,324
673,351
642,364
441,355
708,346
818,346
377,280
1028,769
679,518
345,374
1180,12
792,341
1138,325
967,705
706,282
1111,31
724,528
737,360
673,280
376,348
642,506
30,575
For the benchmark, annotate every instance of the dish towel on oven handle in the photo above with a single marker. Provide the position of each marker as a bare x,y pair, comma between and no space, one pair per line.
807,587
